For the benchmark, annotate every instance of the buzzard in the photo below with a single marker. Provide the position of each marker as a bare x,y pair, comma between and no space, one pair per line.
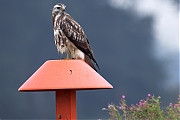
69,36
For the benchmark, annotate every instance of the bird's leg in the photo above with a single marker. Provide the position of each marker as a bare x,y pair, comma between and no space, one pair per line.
67,57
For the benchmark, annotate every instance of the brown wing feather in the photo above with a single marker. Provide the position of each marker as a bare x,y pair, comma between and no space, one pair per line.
76,35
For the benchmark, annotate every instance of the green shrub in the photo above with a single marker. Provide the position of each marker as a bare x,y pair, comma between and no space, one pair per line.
148,109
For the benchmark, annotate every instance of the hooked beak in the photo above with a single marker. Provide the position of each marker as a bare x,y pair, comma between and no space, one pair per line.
63,8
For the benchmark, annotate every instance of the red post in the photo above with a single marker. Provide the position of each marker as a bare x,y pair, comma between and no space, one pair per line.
66,104
65,77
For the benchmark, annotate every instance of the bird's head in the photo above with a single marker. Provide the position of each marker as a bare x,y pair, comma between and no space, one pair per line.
58,8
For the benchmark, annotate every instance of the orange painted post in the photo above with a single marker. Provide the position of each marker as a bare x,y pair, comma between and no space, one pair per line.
66,104
65,77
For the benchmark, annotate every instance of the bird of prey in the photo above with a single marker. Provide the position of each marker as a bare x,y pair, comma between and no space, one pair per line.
69,36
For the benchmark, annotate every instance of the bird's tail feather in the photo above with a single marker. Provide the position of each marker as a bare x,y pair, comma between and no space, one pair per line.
96,63
89,62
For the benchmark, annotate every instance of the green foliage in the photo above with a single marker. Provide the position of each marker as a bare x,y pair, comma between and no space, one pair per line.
148,109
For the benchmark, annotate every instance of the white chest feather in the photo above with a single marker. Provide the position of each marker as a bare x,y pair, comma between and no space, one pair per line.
56,32
55,20
79,54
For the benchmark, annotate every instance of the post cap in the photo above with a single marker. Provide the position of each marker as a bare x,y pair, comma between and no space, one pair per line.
65,74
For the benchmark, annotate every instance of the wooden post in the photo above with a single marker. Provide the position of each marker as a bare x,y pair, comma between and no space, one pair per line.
65,77
66,104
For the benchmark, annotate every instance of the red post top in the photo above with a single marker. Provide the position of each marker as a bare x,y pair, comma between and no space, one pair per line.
65,74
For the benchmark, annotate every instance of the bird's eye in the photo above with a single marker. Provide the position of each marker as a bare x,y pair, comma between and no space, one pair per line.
58,7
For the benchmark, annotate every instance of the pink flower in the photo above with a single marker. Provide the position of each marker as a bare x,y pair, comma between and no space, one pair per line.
170,104
149,95
176,105
140,103
121,107
123,96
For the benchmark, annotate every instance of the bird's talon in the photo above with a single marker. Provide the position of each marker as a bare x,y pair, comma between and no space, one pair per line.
68,59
